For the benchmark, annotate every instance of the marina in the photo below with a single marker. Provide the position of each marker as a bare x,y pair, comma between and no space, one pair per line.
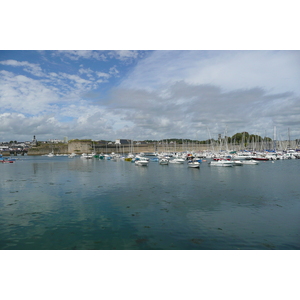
110,203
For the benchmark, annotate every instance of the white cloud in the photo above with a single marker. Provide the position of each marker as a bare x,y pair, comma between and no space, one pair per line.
124,55
34,69
101,74
77,54
31,96
88,72
275,71
186,110
113,71
24,94
167,94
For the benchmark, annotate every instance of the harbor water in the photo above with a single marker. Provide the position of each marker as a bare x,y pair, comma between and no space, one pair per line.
59,203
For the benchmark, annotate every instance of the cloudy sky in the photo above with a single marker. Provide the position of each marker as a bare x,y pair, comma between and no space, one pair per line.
148,94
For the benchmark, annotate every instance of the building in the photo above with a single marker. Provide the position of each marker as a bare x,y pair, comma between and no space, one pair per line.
123,142
34,141
56,141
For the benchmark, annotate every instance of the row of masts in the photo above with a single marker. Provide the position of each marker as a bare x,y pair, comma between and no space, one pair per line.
211,145
221,144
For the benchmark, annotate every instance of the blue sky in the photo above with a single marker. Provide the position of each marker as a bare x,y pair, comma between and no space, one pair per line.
148,94
183,80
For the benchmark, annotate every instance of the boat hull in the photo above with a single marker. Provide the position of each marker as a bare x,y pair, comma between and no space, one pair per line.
261,158
250,162
221,164
194,165
143,163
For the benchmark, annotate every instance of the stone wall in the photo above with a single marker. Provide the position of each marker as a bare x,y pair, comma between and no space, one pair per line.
148,148
46,149
80,147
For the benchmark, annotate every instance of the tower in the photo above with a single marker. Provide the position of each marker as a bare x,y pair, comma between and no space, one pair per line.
34,141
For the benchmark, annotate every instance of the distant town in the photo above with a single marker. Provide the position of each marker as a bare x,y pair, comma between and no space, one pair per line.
15,146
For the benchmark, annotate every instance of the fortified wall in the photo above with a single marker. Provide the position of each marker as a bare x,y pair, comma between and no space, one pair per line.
79,147
48,148
148,148
72,147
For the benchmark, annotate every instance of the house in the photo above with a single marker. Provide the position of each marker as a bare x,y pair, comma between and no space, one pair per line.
123,142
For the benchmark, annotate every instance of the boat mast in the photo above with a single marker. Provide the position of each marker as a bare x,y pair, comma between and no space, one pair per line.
274,138
212,145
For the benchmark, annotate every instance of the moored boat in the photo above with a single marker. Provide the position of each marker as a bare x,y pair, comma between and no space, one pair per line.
250,162
177,161
193,164
237,162
221,163
7,160
142,162
163,161
260,158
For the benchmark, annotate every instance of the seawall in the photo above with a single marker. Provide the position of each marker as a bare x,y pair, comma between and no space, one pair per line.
79,147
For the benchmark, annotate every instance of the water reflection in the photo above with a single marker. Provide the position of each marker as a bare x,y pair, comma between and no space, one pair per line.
93,204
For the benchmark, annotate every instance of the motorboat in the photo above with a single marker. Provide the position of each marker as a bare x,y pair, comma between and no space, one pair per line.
260,158
163,161
237,162
87,156
250,162
177,161
222,163
193,164
142,162
154,159
8,161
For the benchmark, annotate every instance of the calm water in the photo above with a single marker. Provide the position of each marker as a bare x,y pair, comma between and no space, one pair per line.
61,203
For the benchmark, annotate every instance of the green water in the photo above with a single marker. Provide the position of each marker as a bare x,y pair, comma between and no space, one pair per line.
60,203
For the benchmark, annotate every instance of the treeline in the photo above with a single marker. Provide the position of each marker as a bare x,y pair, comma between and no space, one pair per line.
236,138
177,141
246,137
77,140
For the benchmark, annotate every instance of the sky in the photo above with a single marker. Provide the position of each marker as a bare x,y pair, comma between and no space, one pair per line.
156,94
